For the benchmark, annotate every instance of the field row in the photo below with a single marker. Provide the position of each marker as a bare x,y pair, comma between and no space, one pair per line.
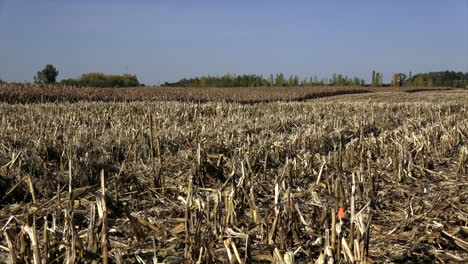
32,93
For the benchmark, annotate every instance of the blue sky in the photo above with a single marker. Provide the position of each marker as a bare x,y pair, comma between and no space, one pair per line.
167,40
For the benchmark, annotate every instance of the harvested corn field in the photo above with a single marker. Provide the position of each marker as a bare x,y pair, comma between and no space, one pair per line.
369,178
47,93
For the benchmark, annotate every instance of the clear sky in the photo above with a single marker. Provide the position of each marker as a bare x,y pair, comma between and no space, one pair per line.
165,40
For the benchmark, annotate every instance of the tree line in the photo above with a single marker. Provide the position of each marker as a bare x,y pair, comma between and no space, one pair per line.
442,78
253,80
49,75
98,79
431,79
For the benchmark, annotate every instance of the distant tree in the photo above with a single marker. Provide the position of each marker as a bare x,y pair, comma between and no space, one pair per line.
296,80
227,80
47,75
253,80
380,79
71,82
197,82
291,81
279,81
399,79
203,82
429,83
357,81
377,79
402,79
373,82
334,79
420,80
444,78
93,79
98,79
395,80
126,80
271,81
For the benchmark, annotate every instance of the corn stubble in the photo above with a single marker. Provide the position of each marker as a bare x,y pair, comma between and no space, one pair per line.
15,93
169,182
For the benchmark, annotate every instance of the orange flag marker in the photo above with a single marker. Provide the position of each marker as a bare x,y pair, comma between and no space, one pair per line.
341,213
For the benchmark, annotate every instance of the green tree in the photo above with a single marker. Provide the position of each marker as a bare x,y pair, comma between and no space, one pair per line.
334,79
373,79
70,82
127,80
291,81
98,79
197,82
443,78
47,75
94,79
296,80
430,83
253,80
420,80
377,79
399,79
203,82
279,79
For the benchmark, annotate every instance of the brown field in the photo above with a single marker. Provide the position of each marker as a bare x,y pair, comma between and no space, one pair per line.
217,182
27,93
